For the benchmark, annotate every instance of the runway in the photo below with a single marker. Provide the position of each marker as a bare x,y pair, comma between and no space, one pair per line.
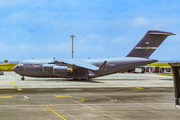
87,101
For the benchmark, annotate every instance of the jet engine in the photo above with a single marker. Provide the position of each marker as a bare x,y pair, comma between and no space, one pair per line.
48,67
62,70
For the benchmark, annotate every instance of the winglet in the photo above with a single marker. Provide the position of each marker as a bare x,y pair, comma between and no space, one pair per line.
103,66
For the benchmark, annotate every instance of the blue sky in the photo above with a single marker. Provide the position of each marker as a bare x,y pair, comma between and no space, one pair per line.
102,28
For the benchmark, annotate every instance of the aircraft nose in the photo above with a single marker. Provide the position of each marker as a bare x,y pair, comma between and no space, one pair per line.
15,68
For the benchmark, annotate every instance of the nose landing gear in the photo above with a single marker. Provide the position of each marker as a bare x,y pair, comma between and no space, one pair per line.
22,78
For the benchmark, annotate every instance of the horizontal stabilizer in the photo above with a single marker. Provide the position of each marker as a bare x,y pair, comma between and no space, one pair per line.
164,33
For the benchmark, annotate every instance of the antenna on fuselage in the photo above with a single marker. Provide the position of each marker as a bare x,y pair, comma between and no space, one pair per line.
72,42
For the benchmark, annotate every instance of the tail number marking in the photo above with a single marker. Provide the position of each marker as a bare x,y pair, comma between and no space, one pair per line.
111,64
146,48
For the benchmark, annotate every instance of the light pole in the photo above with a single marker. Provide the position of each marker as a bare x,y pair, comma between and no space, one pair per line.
72,42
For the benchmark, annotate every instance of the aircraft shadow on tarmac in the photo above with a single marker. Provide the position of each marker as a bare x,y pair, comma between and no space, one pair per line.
68,80
167,79
91,81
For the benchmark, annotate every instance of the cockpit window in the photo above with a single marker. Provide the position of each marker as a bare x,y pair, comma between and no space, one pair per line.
21,64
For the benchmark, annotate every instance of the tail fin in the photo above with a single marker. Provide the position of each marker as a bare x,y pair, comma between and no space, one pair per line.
149,43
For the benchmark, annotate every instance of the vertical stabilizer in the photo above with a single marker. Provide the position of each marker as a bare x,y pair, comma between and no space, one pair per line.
149,43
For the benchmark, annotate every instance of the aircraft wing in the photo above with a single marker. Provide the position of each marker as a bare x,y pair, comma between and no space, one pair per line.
78,63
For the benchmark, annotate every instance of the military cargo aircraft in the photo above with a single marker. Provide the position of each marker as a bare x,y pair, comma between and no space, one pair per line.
91,68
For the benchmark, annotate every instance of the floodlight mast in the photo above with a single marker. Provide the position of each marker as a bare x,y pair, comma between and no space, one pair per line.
72,42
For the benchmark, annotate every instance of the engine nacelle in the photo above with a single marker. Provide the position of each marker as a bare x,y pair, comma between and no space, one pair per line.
62,70
48,67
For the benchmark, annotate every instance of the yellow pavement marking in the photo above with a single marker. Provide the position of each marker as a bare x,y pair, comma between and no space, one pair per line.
106,81
56,112
5,80
139,87
62,96
82,100
6,97
11,74
19,89
12,82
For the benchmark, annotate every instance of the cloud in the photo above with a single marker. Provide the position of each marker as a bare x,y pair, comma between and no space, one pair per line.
140,21
117,40
26,48
21,48
12,2
57,48
158,26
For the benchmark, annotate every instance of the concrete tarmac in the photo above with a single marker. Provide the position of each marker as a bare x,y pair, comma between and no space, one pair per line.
13,81
115,97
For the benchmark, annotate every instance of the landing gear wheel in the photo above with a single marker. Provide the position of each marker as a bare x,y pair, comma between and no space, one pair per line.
22,78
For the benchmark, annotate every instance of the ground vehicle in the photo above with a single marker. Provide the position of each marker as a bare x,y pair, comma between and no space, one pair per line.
1,72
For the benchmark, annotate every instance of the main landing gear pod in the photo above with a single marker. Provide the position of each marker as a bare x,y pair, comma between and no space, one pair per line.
48,67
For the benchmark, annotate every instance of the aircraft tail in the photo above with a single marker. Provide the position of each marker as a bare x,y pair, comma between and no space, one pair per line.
149,43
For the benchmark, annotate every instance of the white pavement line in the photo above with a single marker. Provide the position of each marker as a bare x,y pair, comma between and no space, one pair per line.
158,109
100,112
12,74
70,115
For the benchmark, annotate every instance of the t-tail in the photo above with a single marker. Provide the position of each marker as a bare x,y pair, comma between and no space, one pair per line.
149,43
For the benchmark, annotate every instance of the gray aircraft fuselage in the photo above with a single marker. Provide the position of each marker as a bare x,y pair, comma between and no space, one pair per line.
34,68
89,68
